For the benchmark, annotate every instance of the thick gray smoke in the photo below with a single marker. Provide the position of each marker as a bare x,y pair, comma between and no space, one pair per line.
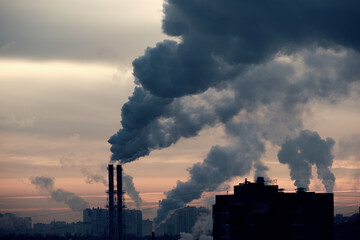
304,151
206,176
46,186
251,66
219,41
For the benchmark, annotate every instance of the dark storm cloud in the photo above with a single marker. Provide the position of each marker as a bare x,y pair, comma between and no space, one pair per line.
46,186
251,66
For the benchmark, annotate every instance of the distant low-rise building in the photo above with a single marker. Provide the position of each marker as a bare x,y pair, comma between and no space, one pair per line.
181,221
259,211
98,221
60,228
133,222
147,227
11,223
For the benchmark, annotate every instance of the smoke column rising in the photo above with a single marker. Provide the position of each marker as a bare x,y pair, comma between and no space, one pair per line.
250,66
131,190
306,150
46,186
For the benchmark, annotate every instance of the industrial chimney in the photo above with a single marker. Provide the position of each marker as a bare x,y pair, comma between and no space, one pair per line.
119,193
111,202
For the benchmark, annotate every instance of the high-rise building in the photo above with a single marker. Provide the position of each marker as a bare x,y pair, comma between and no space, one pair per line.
98,220
132,220
259,211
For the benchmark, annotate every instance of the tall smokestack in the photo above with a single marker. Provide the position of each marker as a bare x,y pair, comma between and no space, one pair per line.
111,202
119,201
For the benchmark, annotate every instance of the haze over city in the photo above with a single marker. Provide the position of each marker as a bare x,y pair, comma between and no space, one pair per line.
208,101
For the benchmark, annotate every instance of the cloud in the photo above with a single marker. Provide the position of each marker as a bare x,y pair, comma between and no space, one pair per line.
107,31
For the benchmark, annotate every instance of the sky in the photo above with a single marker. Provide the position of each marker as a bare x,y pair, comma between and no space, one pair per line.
214,89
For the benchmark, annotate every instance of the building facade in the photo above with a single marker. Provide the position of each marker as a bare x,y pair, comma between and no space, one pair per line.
259,211
181,221
132,220
98,221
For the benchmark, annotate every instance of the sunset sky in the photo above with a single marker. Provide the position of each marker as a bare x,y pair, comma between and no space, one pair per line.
65,72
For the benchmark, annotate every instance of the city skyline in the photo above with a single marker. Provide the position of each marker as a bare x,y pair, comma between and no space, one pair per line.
66,71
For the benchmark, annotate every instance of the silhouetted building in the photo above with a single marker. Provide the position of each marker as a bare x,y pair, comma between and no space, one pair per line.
132,220
60,228
98,221
147,227
182,220
10,222
259,211
347,227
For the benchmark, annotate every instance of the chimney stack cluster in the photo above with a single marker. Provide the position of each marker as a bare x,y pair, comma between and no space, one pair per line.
111,203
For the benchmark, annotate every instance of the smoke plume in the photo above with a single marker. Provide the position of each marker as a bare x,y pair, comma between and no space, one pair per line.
93,177
129,186
253,67
304,151
131,190
203,226
46,186
220,41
